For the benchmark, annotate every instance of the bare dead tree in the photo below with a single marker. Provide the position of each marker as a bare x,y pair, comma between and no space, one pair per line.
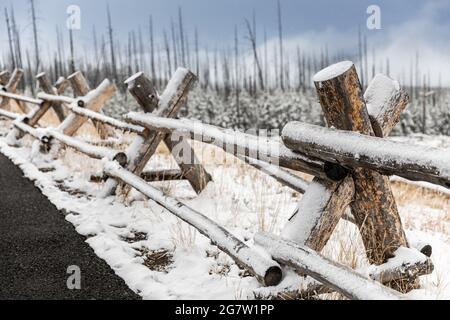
152,48
252,38
167,47
182,44
35,36
111,44
10,39
280,39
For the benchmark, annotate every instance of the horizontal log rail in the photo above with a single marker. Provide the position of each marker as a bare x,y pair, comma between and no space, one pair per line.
335,276
54,98
412,162
9,114
234,142
267,271
19,97
105,119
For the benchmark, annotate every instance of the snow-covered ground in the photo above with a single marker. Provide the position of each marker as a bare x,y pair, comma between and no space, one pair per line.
161,257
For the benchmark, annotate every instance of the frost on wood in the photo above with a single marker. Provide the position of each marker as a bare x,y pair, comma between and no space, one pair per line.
389,157
262,267
340,278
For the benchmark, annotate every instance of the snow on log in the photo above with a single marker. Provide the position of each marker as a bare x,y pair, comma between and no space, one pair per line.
94,101
24,128
373,206
44,84
4,77
9,115
81,88
385,103
313,223
262,267
234,142
413,162
55,98
19,97
281,175
407,263
95,152
338,277
105,119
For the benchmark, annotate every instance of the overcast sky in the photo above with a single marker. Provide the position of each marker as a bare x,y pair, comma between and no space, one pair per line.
408,26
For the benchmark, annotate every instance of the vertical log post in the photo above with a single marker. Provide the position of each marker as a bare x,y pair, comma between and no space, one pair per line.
141,88
314,221
374,206
44,84
11,87
81,88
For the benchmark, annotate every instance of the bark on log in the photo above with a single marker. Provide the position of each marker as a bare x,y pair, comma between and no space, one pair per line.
385,274
4,78
353,150
236,143
338,277
93,101
11,87
81,88
21,98
265,270
385,102
44,84
374,206
124,126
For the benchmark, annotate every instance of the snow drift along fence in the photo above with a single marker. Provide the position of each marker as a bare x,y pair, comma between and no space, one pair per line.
349,169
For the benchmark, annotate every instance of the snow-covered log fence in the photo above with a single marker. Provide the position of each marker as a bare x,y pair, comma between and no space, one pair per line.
267,271
349,169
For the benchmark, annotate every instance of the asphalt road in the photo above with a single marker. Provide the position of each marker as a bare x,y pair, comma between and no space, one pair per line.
37,246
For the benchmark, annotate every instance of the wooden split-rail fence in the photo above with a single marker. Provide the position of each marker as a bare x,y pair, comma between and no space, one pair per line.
350,159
